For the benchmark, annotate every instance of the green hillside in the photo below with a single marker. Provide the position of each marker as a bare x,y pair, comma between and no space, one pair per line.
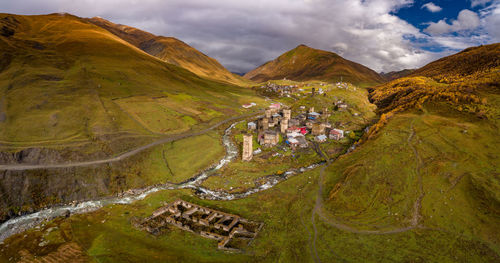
431,162
421,185
173,51
66,82
304,63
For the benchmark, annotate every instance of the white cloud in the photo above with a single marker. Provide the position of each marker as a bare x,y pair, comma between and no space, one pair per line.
474,3
245,34
491,21
466,20
432,7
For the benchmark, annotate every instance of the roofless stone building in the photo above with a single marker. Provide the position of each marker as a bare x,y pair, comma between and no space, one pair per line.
234,233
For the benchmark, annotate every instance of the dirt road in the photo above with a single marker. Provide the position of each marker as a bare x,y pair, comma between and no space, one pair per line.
416,216
20,167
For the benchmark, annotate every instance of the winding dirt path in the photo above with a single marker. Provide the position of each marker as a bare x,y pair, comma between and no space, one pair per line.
331,221
21,167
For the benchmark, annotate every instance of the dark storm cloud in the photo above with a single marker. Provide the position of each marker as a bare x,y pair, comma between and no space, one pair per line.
245,34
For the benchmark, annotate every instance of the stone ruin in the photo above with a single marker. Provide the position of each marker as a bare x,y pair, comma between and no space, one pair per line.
233,232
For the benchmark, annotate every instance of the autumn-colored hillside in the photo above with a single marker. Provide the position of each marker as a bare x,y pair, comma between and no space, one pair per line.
304,63
468,81
462,79
473,60
396,74
65,80
171,50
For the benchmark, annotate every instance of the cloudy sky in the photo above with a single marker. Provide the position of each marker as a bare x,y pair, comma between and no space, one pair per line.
384,35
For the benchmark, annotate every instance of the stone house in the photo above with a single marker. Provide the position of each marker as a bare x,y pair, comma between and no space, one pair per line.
276,117
292,142
313,115
336,134
275,107
302,141
318,128
292,129
269,138
310,123
342,106
252,126
320,138
294,122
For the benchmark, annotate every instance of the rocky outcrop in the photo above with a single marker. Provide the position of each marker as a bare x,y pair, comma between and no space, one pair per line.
45,156
31,190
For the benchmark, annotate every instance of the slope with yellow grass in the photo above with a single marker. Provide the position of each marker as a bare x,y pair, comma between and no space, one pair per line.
304,63
64,80
431,162
173,51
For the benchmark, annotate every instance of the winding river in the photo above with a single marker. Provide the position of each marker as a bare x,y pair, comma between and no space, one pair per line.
28,221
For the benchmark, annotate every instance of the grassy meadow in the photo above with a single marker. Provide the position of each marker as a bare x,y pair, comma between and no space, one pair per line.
71,89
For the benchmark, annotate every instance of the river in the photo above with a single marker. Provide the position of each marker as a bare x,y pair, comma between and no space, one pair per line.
28,221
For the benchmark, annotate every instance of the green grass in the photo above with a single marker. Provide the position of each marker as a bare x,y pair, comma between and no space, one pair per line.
287,234
76,90
239,175
193,154
376,186
372,188
177,161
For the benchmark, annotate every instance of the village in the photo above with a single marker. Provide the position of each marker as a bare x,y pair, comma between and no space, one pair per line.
293,132
298,90
278,121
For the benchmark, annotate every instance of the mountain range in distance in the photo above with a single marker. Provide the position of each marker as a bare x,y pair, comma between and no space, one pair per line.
301,64
88,105
171,50
304,63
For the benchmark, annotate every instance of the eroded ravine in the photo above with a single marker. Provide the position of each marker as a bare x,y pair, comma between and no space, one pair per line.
25,222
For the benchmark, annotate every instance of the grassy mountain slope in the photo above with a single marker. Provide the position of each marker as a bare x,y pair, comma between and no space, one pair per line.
468,80
423,188
396,74
304,63
468,63
66,81
431,162
172,51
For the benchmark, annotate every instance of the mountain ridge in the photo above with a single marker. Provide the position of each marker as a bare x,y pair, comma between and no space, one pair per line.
58,80
305,63
392,75
171,50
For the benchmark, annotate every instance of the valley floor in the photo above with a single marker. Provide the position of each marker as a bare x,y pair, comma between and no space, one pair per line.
417,192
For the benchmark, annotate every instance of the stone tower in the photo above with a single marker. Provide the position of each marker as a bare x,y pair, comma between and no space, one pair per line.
268,113
287,114
318,129
284,125
247,152
264,123
326,113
